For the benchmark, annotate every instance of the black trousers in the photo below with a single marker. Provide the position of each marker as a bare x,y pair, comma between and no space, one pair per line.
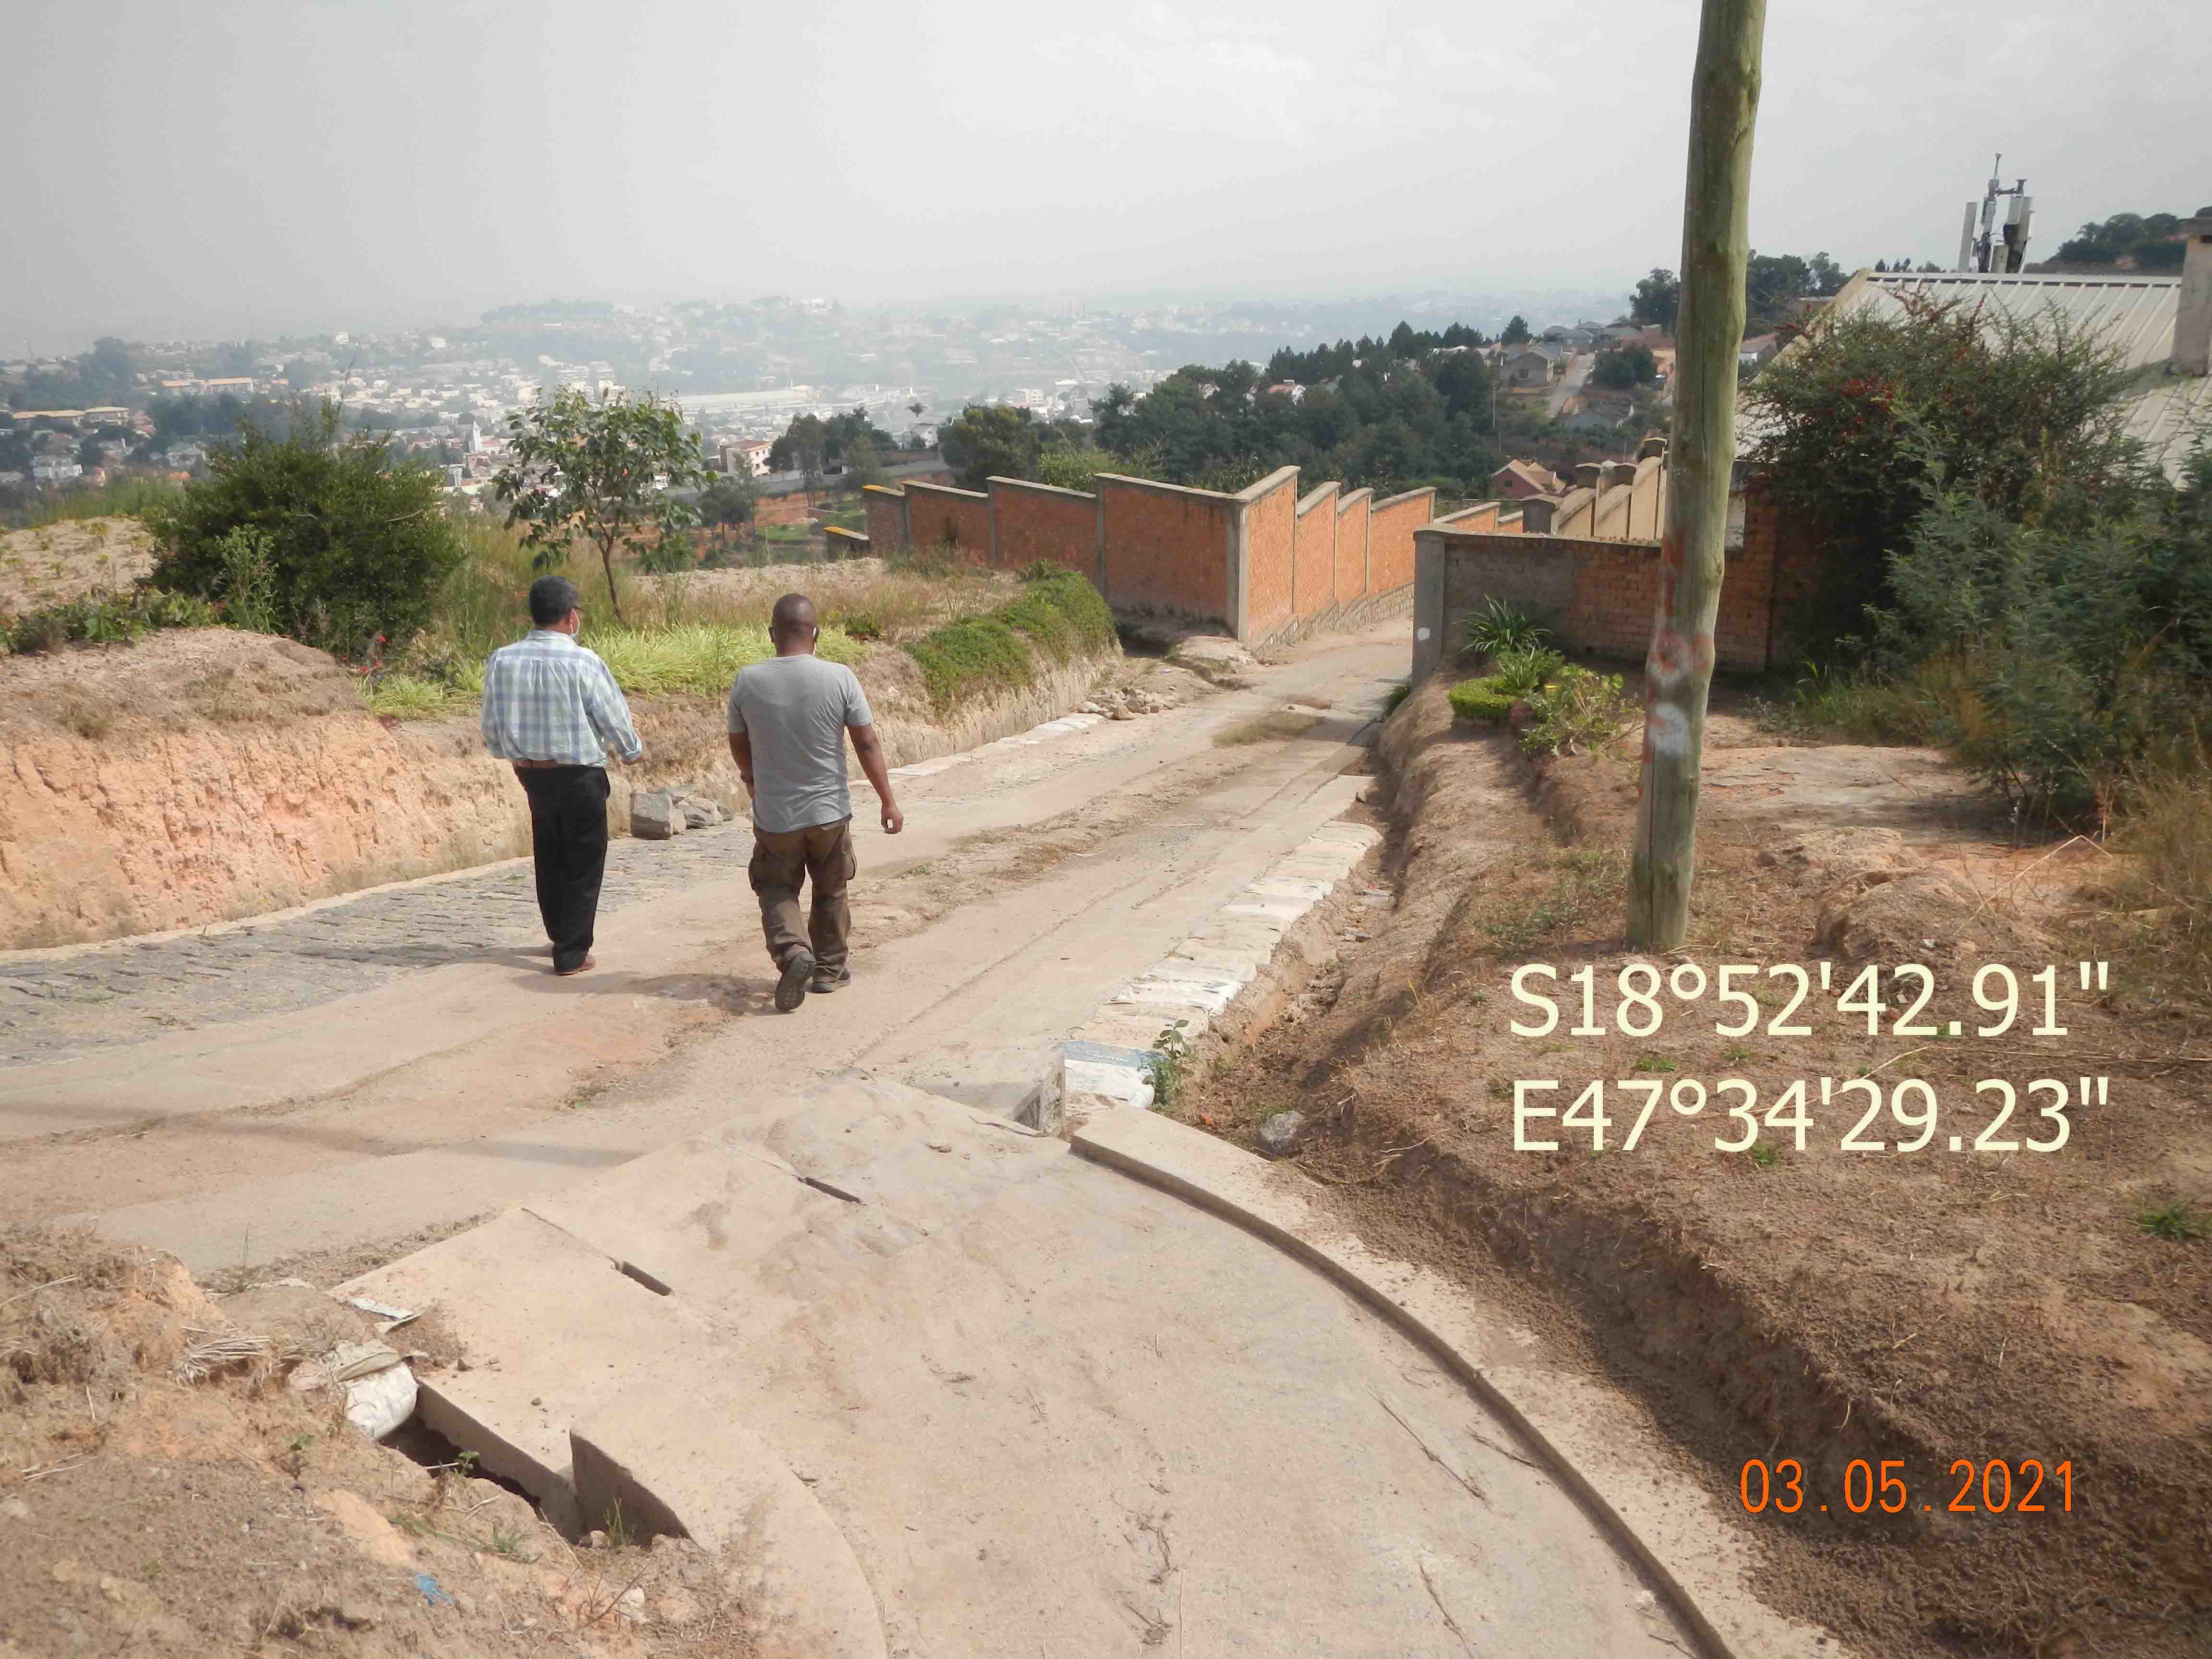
568,840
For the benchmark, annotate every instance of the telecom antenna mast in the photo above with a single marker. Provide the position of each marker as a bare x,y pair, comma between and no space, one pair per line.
2001,247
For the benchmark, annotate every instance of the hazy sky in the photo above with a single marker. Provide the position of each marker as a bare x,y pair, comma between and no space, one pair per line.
255,165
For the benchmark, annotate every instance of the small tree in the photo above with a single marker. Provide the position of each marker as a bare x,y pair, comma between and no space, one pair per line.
991,441
1658,297
729,502
341,542
600,468
1517,332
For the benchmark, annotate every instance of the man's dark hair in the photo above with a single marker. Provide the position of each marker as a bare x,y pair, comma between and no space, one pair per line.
551,597
793,615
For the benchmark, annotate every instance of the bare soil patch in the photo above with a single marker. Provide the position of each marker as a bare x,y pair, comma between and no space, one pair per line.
57,562
144,1513
1826,1306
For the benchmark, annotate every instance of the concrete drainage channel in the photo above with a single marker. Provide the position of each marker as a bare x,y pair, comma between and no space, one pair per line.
1228,976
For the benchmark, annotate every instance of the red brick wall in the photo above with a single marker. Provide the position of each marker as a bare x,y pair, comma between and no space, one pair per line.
1390,538
1270,538
1351,515
1796,566
886,518
1167,547
1035,522
1616,592
936,514
1314,562
794,508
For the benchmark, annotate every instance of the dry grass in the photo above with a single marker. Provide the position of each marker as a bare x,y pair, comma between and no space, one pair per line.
1273,726
894,600
2165,904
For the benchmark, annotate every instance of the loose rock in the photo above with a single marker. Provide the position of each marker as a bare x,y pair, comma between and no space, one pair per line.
1279,1135
654,816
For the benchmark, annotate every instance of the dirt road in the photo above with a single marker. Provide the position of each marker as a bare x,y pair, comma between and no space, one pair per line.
329,1082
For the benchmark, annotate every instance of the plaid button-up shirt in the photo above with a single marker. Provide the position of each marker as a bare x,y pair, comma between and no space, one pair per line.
547,698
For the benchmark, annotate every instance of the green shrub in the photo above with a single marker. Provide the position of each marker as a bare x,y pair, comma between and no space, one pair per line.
105,618
1498,627
1480,702
1522,672
1873,413
2081,640
672,553
1578,710
1071,467
1061,613
357,544
973,655
1397,694
249,582
1861,704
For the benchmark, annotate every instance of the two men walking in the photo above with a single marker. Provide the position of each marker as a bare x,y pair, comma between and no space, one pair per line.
552,710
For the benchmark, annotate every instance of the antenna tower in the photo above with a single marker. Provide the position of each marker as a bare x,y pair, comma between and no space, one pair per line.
2000,246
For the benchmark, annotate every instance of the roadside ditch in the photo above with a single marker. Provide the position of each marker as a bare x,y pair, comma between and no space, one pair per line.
1856,1317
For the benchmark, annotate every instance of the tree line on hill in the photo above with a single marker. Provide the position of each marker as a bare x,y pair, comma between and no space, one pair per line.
1414,408
1773,284
2149,241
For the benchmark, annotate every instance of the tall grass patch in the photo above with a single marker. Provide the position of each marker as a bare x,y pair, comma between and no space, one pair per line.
1061,615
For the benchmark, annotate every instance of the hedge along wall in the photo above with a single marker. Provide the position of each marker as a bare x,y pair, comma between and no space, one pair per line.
1167,547
936,513
1039,522
1313,569
1595,596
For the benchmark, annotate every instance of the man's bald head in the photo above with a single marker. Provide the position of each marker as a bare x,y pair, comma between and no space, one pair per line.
792,621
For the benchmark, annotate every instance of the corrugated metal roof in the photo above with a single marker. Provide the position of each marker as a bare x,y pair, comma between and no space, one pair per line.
2134,313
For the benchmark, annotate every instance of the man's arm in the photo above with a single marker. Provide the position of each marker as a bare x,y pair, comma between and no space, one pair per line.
609,713
869,747
741,750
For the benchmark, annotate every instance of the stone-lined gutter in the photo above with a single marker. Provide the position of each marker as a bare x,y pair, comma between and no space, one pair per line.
1228,976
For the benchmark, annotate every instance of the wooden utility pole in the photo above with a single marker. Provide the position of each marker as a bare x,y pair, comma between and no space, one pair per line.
1679,670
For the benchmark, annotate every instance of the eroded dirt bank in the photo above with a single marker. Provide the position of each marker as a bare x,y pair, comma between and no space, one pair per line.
203,774
1915,1313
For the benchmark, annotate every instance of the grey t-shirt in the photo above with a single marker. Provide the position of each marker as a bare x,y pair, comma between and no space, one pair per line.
796,709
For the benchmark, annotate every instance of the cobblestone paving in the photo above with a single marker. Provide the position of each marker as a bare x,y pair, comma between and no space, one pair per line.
124,992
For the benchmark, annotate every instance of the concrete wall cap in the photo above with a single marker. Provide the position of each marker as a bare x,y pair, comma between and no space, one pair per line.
995,481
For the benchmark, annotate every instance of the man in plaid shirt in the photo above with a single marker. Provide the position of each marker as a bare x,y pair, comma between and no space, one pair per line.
551,709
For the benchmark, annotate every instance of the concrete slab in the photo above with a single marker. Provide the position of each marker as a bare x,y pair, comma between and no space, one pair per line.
1600,1443
1093,1420
799,1589
1295,892
552,1330
1121,1026
919,1160
1186,967
725,1229
1124,1085
1213,997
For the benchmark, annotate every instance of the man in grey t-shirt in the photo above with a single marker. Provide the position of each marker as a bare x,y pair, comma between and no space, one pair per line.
787,718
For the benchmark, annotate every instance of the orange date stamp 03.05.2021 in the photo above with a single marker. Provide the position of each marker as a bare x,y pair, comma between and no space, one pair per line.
1995,1485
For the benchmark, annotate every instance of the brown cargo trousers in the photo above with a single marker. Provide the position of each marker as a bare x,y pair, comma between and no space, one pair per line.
782,862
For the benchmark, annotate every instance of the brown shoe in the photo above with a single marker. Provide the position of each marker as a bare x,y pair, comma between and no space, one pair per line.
791,983
583,967
827,980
